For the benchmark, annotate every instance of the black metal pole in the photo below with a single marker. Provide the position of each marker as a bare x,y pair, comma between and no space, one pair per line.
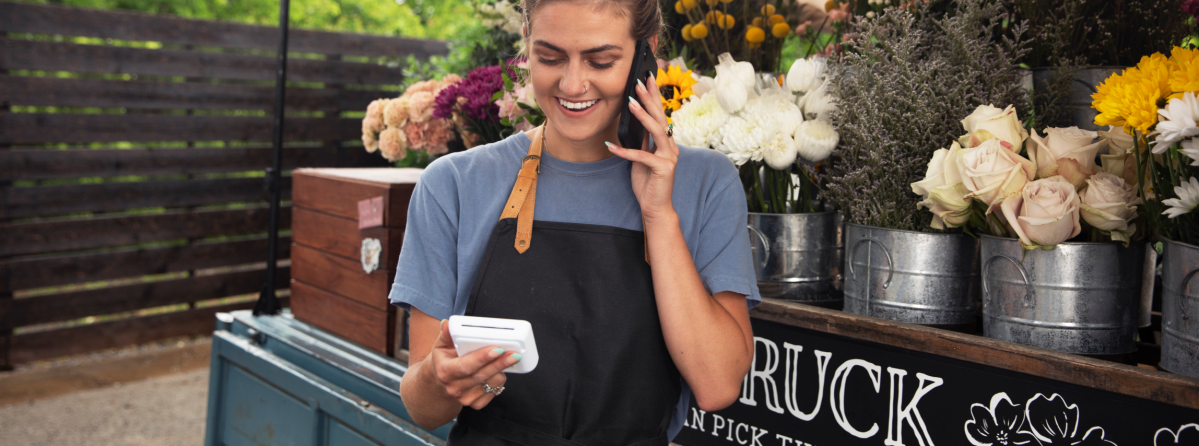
268,302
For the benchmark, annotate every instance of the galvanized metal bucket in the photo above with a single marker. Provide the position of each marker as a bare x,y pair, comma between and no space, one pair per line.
797,257
1079,298
1180,308
914,277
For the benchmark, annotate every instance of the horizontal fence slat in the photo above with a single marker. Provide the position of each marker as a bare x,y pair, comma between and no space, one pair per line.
45,19
23,202
34,128
60,92
41,271
87,338
74,234
119,299
55,56
75,163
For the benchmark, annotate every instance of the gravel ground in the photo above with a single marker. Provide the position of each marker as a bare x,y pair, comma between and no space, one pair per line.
168,410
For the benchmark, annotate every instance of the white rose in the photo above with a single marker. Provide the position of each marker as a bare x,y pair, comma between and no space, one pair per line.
1069,152
993,173
1109,204
779,151
989,122
1117,139
1044,213
943,191
806,74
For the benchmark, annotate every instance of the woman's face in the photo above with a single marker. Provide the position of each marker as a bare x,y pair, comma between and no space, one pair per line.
580,54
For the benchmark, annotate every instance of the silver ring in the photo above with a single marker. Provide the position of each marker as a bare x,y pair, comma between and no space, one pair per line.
487,388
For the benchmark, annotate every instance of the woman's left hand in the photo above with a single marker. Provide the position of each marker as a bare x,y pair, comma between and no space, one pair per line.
653,168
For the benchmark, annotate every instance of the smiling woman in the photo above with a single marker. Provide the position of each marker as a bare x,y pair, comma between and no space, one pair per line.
635,275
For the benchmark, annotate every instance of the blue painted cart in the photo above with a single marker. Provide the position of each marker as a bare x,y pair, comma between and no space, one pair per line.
278,381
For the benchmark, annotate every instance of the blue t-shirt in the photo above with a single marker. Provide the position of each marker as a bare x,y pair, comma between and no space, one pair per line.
459,198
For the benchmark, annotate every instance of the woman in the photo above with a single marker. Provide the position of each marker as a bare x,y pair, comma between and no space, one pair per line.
625,323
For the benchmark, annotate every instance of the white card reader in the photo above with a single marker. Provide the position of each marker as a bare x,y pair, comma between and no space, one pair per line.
471,333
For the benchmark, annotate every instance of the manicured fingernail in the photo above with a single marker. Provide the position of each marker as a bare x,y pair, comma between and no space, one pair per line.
606,143
515,358
640,84
496,352
634,101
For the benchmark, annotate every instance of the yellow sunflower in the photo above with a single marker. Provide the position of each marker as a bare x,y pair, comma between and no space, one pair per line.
1185,75
1132,98
674,84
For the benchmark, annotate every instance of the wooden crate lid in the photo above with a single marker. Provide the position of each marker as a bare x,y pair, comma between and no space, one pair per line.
385,176
338,191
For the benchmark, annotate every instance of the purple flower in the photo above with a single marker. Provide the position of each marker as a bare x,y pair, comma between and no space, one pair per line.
1191,7
472,96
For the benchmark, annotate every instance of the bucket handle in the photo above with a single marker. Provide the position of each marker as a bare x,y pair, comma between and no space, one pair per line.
1023,274
886,252
1182,299
765,243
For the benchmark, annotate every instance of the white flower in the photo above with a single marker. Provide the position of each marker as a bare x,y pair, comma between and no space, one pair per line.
741,139
816,140
806,74
870,14
776,104
734,83
1187,201
701,88
1178,122
1118,142
780,151
1190,148
817,104
698,121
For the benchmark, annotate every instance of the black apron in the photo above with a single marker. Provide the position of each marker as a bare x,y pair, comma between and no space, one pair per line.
604,376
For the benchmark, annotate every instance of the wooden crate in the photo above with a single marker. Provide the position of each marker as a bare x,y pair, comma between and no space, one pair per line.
330,289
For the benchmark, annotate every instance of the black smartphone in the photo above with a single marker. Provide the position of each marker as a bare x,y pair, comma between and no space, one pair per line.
631,132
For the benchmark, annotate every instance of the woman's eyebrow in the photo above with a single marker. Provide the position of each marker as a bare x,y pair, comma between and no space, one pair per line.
598,49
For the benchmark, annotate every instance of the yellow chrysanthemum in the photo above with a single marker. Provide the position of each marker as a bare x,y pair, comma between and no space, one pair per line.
674,84
1131,99
1185,74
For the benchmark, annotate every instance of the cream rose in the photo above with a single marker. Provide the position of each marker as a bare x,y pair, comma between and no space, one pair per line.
943,191
1044,213
1069,152
992,173
1117,139
1110,204
989,122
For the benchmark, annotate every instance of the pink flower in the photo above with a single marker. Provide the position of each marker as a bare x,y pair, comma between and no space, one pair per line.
420,106
369,141
395,114
391,144
415,135
437,133
374,115
1045,213
802,28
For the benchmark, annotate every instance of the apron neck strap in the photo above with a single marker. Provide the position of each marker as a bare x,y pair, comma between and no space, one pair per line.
522,200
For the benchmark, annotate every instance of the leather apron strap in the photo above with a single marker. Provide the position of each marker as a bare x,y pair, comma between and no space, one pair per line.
522,200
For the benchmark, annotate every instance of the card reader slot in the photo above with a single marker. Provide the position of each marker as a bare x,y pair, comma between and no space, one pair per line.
493,328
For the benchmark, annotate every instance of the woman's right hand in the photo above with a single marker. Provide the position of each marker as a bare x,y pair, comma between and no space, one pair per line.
463,377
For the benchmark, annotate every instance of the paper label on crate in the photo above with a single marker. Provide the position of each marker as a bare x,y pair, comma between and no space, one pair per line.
370,213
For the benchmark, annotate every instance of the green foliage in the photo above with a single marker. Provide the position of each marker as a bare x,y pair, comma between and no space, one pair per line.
433,19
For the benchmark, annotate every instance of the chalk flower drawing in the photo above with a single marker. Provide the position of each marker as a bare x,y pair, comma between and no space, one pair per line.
997,425
1187,435
1044,421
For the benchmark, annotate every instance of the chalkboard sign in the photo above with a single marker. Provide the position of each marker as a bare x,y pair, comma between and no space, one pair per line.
809,388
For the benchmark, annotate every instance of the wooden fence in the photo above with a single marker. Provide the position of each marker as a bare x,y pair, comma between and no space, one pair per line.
132,151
